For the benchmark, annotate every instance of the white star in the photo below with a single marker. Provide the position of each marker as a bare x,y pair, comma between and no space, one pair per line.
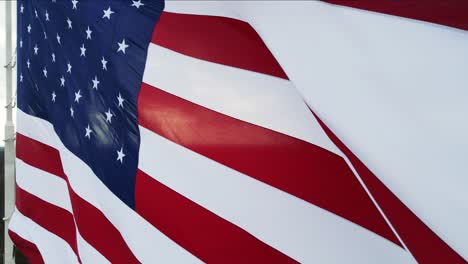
107,13
46,16
88,132
69,23
53,57
21,77
45,72
78,96
35,49
21,43
74,2
21,9
121,100
109,116
35,11
28,63
122,46
58,38
137,4
120,155
69,67
88,33
29,28
83,50
71,111
53,96
95,83
62,81
104,63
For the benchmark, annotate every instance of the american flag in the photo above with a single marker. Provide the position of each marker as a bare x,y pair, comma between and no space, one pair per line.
175,136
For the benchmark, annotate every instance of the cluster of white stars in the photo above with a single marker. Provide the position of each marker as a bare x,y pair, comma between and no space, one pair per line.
123,47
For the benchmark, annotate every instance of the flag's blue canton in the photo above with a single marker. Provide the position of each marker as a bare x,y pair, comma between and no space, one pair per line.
80,67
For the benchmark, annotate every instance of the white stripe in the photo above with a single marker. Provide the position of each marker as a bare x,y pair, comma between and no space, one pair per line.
88,254
143,239
52,248
300,230
212,8
42,184
256,98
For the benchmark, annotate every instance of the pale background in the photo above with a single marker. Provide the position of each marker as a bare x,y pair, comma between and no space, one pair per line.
4,61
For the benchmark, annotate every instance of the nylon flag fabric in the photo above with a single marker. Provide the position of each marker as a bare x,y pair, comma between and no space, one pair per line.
201,131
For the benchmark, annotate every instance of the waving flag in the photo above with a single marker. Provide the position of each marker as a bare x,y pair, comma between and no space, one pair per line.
176,136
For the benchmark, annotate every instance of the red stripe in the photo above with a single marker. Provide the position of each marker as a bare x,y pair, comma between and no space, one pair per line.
452,13
99,232
204,234
39,155
94,227
27,248
53,218
221,40
292,165
424,244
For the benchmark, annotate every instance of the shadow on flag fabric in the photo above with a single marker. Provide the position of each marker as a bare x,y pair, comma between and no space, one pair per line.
200,131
